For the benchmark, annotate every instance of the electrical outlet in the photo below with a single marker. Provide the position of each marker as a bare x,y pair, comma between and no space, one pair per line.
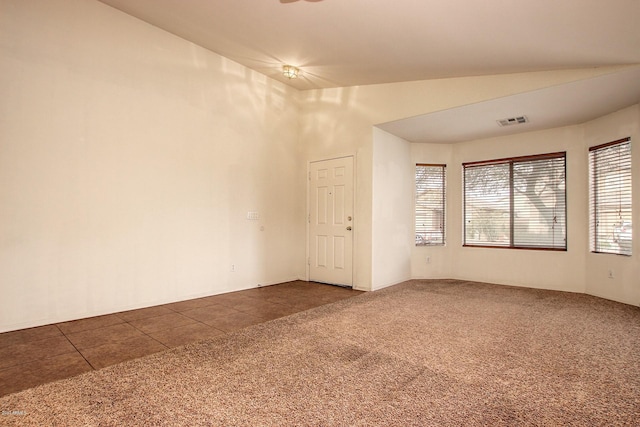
611,275
428,260
233,268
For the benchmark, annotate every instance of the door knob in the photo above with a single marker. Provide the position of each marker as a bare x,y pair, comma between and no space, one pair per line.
349,228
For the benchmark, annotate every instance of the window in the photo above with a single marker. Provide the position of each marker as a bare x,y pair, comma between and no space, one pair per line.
516,203
610,197
430,202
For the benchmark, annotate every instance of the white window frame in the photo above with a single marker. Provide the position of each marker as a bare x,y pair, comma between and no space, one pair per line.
610,198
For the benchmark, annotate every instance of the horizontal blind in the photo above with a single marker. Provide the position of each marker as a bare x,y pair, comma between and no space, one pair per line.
430,204
516,202
539,204
487,205
610,197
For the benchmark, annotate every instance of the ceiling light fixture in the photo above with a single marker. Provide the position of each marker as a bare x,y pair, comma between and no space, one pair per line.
290,71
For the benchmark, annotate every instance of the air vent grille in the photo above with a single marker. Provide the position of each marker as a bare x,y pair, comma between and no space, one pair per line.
513,121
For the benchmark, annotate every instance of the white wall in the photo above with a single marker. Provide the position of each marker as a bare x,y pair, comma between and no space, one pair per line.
577,269
440,257
392,214
339,121
532,268
129,158
128,161
625,285
331,128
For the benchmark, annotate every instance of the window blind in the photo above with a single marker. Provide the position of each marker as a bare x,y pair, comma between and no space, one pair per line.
430,204
610,197
516,202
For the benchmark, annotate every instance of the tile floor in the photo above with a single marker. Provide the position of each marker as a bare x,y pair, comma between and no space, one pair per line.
34,356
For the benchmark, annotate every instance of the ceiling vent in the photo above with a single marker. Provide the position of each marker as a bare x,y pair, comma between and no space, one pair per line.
513,121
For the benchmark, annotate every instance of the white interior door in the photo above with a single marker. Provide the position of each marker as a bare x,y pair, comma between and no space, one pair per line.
331,221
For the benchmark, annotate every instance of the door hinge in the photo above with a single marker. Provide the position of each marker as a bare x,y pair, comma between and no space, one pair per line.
309,218
309,175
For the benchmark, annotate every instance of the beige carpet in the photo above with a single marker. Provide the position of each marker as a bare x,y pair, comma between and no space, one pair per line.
417,354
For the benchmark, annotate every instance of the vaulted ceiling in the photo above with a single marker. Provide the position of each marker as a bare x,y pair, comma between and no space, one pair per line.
358,42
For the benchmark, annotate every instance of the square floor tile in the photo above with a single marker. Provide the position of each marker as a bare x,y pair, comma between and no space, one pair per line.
159,323
234,322
288,300
185,334
31,334
106,335
144,313
256,306
259,293
191,304
231,299
41,371
89,323
17,354
203,314
112,353
273,311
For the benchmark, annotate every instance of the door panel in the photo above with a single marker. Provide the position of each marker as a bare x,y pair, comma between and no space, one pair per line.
321,250
331,221
338,252
322,208
339,200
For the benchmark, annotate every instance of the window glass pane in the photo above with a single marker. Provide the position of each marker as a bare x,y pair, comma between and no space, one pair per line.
610,198
487,201
516,203
539,203
430,204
